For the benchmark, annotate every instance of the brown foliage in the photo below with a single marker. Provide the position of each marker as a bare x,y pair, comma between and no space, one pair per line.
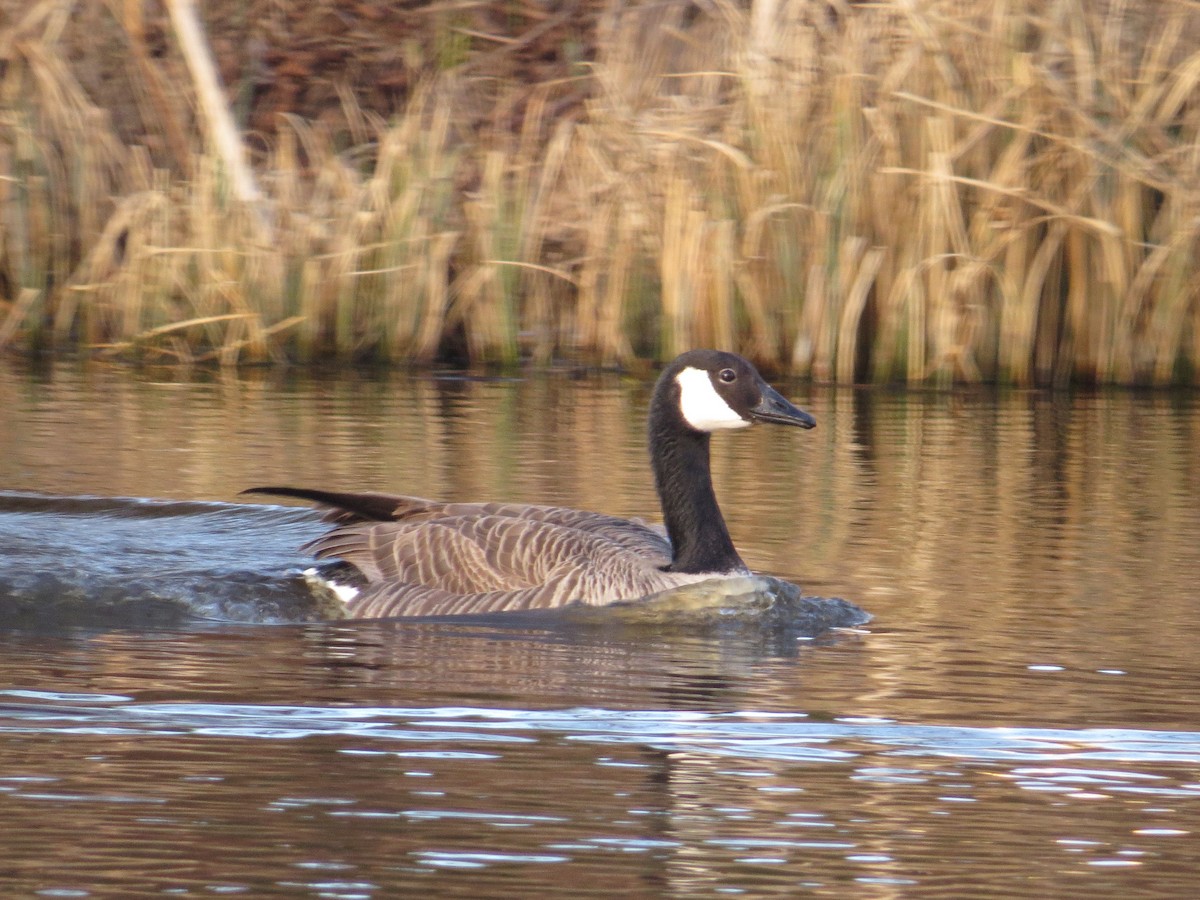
949,190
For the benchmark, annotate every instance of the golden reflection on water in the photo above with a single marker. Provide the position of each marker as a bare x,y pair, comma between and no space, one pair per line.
1031,560
203,795
984,531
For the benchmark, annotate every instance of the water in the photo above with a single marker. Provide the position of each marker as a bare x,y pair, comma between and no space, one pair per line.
1020,719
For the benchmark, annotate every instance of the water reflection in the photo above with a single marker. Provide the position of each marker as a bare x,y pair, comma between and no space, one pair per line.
600,768
1020,717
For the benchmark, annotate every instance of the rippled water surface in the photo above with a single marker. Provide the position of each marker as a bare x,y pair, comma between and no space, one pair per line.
1020,719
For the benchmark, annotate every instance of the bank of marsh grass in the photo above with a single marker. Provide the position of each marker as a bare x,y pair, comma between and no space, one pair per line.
937,191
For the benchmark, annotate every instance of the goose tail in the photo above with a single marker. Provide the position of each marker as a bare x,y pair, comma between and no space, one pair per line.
344,506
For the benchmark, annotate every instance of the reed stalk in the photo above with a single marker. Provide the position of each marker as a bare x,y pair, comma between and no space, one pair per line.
948,191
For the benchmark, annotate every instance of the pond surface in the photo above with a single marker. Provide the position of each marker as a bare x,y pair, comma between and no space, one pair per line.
1021,718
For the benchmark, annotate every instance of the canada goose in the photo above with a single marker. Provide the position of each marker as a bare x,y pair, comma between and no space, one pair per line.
423,557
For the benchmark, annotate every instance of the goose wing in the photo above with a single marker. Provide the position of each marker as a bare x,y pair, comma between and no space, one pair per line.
345,508
486,563
423,557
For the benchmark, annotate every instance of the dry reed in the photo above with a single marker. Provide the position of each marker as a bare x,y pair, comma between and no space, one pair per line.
941,191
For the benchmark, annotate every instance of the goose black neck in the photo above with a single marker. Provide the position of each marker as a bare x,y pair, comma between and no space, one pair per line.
679,455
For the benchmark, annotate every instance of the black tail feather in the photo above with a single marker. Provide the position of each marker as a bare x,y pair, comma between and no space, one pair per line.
348,506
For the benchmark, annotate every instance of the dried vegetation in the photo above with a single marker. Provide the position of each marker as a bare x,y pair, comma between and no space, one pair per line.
921,190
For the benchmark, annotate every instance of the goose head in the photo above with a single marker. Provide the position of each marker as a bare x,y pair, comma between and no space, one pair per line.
709,390
700,392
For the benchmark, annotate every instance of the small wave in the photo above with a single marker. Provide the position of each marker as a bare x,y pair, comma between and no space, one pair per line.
1035,754
113,507
755,601
100,562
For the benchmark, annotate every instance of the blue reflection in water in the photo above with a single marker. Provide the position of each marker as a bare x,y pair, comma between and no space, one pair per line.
788,738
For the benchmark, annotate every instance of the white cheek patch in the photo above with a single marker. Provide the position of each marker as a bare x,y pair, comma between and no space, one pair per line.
702,407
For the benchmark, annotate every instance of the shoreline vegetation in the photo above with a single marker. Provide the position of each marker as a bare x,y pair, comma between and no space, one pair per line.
919,191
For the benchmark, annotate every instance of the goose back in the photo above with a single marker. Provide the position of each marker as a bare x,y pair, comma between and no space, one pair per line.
422,557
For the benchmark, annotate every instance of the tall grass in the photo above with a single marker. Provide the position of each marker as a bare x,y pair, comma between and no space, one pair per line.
946,191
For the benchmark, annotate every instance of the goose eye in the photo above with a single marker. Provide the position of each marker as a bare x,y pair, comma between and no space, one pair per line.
727,375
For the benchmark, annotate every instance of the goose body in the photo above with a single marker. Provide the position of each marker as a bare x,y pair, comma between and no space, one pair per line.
425,557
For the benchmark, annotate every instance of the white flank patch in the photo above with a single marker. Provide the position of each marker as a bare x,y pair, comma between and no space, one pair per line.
702,407
344,592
